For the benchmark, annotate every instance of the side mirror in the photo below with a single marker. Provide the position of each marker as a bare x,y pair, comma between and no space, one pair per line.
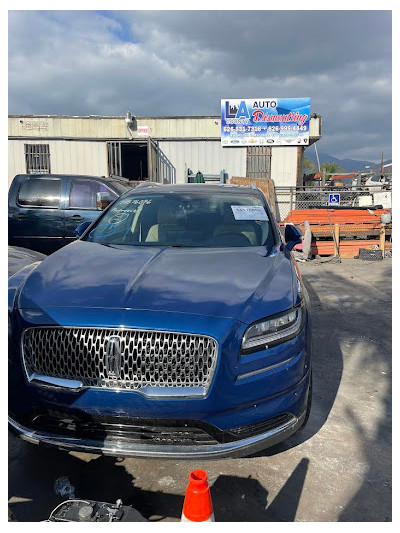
293,236
80,230
103,199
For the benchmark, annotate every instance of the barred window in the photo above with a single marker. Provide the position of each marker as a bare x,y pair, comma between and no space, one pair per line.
258,162
37,157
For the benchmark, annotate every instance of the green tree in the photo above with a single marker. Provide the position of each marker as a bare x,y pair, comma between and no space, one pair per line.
331,168
308,166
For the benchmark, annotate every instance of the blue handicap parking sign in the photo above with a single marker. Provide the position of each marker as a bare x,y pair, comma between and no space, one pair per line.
334,199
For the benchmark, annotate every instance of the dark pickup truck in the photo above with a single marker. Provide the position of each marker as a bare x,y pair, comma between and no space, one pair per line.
45,209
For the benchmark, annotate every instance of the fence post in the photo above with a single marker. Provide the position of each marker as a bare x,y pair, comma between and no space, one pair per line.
337,236
382,236
291,199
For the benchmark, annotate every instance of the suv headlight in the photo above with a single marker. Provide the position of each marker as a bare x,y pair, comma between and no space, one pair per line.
273,330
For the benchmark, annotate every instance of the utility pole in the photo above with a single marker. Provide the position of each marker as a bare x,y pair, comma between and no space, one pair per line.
316,154
382,164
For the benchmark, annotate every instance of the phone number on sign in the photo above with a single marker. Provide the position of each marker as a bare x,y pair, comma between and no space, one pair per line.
244,129
234,129
287,128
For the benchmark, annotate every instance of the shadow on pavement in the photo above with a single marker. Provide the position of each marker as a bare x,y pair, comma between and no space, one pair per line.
238,499
235,498
364,320
327,365
100,478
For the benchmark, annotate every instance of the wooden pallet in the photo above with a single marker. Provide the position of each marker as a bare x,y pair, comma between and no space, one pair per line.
343,224
347,249
336,216
348,230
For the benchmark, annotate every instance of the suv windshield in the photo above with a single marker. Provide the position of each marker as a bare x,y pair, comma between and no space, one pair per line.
201,219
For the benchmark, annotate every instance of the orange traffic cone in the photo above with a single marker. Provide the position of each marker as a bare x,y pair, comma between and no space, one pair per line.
197,506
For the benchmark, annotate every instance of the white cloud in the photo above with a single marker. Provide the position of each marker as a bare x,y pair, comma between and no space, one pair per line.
178,63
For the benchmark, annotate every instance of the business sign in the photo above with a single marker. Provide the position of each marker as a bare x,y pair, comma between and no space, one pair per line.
265,122
334,199
143,131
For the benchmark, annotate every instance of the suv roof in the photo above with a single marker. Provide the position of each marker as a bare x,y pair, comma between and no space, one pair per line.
194,187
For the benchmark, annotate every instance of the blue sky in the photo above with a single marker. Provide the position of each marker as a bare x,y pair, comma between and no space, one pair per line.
183,62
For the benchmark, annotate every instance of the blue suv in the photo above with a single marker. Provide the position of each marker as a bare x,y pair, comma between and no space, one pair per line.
177,326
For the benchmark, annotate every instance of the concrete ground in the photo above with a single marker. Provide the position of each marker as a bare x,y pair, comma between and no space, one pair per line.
337,469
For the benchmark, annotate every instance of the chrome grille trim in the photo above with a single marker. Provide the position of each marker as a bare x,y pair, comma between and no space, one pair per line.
151,360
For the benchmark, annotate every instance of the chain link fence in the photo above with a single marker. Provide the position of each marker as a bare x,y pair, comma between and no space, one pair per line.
299,198
336,230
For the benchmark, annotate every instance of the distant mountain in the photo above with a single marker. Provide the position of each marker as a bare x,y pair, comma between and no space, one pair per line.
349,165
377,167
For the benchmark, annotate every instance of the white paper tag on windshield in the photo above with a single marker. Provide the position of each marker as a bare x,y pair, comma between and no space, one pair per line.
249,212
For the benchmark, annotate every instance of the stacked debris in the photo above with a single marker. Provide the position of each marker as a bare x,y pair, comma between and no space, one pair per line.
343,232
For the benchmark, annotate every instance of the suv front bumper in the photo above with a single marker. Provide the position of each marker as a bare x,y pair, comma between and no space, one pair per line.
113,447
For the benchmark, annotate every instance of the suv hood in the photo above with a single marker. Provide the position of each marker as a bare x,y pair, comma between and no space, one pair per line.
240,283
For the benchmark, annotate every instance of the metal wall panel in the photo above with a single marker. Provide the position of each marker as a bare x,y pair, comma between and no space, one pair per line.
16,159
207,156
315,127
89,157
66,157
111,127
115,127
284,165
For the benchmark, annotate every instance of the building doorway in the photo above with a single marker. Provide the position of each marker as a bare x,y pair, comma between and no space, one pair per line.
139,160
134,161
128,159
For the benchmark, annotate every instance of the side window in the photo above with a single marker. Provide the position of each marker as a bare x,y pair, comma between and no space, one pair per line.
84,194
39,192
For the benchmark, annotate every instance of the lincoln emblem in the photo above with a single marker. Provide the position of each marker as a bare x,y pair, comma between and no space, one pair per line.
113,357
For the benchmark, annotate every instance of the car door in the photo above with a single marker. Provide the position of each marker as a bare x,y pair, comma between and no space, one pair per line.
82,203
36,219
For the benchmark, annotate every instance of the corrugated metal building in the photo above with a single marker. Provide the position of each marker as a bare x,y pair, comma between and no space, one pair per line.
157,148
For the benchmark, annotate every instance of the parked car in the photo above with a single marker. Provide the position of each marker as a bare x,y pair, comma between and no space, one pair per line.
45,209
377,182
345,183
18,258
176,326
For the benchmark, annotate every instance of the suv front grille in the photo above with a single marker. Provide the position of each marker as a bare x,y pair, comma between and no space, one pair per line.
134,359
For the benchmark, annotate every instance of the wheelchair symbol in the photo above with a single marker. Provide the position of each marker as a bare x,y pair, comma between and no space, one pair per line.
334,199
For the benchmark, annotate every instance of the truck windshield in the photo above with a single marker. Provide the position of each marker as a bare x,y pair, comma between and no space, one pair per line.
185,219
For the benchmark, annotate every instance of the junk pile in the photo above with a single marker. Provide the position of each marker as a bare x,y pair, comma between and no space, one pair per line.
197,506
343,232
